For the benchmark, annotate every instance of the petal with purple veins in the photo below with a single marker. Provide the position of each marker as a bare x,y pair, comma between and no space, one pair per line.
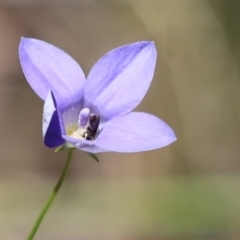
47,67
120,79
135,132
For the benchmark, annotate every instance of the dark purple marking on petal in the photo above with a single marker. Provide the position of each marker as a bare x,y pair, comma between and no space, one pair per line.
53,126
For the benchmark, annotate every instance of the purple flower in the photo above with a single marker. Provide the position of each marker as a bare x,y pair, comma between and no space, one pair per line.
94,113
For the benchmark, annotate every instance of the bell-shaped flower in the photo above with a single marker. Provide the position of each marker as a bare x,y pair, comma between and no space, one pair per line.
94,113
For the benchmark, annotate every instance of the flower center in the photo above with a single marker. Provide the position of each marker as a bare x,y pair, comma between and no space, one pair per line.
87,127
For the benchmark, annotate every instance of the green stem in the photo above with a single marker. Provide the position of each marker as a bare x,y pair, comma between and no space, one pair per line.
52,196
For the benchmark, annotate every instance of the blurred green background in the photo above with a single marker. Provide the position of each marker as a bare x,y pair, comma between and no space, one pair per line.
189,190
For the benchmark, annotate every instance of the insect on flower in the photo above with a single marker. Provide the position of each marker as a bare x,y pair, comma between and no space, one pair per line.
92,129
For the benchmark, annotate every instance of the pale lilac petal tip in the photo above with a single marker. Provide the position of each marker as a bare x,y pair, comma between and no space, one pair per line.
52,126
135,132
47,67
120,79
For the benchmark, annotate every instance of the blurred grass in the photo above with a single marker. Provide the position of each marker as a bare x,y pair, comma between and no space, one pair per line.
167,206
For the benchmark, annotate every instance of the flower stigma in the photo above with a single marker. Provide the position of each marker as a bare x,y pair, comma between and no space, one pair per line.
86,126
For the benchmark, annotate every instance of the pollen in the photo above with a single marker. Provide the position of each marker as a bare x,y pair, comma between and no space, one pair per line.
71,129
75,131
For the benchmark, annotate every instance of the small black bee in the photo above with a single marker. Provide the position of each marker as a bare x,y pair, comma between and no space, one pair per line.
93,127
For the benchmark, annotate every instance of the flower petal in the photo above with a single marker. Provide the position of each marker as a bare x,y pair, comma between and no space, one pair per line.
84,145
120,79
47,67
52,126
135,132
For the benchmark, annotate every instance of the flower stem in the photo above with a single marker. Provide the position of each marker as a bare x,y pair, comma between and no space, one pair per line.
52,196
